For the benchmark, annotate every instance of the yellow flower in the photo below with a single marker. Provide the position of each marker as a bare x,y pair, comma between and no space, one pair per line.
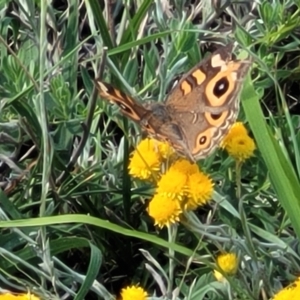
172,184
145,160
165,149
185,182
164,210
237,128
9,296
228,263
185,167
174,181
291,292
238,143
133,293
200,189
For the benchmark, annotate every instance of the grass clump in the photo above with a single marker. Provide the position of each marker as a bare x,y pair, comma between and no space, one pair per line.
79,214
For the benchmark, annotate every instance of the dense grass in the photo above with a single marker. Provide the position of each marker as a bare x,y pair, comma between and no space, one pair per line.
73,220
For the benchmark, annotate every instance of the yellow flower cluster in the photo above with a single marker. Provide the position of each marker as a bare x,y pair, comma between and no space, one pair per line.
181,186
238,144
291,292
228,263
10,296
133,293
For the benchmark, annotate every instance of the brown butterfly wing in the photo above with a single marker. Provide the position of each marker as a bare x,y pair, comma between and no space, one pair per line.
205,101
152,119
204,81
128,106
155,119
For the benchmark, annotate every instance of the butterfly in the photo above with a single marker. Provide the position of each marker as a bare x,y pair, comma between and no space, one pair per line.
199,110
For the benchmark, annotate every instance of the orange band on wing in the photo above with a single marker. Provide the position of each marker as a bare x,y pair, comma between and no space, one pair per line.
216,120
230,73
199,76
185,87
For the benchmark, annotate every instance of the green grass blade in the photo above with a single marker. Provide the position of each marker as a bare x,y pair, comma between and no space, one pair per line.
63,219
99,18
92,272
282,175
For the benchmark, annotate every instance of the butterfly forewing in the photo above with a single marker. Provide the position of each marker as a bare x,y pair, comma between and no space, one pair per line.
129,107
197,83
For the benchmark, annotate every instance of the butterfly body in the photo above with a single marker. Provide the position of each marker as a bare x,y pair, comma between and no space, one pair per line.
198,112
